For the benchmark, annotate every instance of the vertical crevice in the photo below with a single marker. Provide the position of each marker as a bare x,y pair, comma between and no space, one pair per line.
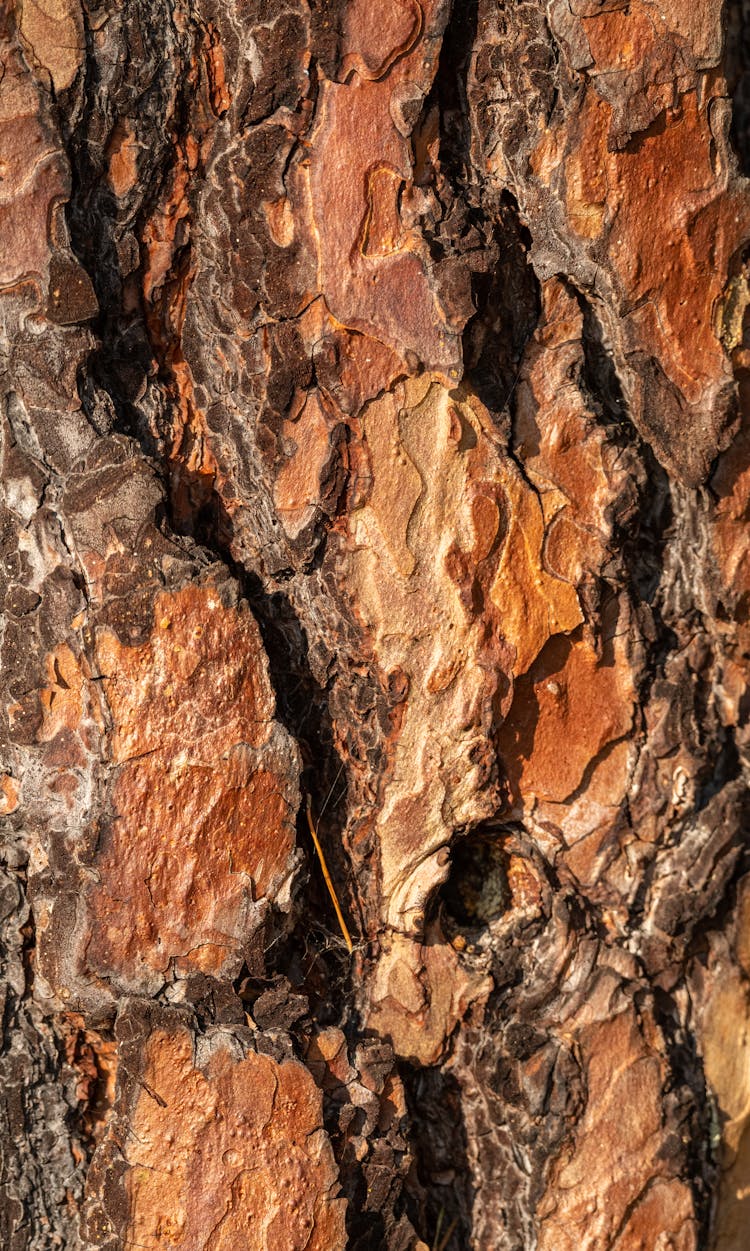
737,60
440,1204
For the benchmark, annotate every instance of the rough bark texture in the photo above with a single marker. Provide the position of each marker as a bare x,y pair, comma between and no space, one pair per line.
373,379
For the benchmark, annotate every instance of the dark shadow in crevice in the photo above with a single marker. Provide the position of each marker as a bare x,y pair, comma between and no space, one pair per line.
476,891
150,94
508,306
375,1217
600,376
117,393
642,532
313,956
737,60
298,970
642,536
688,1088
693,1108
440,1199
449,95
482,229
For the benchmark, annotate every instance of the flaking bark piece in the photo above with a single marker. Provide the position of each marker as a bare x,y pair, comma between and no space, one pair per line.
211,1145
196,837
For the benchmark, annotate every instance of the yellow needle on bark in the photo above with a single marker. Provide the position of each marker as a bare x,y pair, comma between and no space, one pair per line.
327,877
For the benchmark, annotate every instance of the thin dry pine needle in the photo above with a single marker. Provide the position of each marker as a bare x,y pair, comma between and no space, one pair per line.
327,878
441,1243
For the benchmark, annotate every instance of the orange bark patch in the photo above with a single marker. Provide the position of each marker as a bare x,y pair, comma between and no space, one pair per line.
61,699
382,228
297,487
182,865
218,88
671,241
586,183
636,37
619,40
612,1188
664,216
280,221
53,32
376,35
197,681
10,792
203,824
375,276
229,1154
670,229
564,449
566,711
532,604
123,154
34,174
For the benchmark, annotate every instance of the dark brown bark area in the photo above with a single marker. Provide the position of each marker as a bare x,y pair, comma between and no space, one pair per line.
374,434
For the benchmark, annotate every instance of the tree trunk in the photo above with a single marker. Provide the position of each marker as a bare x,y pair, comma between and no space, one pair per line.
374,532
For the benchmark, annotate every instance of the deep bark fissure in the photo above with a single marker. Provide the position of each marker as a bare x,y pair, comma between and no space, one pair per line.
644,537
439,1136
116,371
302,705
308,958
737,35
696,1109
105,238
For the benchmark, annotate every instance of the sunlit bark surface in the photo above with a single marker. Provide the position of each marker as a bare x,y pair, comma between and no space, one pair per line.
375,380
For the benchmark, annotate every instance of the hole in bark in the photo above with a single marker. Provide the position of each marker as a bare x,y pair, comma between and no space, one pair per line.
476,892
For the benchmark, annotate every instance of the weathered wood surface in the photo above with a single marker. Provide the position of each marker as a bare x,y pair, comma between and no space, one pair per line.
374,430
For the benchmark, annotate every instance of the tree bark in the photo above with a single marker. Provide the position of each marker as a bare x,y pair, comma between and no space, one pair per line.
375,446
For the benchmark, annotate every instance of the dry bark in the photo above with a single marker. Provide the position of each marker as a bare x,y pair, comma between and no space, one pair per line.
375,433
